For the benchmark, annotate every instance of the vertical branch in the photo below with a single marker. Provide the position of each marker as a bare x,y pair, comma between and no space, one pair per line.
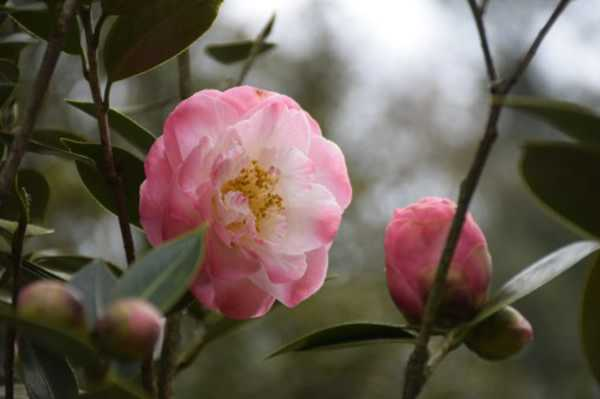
17,253
255,50
56,43
168,356
416,373
110,170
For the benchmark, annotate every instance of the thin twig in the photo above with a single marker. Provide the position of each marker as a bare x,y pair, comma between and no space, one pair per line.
416,373
110,170
168,358
255,50
17,255
56,43
485,47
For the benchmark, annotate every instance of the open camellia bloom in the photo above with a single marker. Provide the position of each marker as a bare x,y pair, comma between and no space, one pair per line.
414,240
255,167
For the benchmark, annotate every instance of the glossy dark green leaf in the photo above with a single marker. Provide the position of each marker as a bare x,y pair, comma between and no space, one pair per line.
43,148
142,40
228,53
70,264
349,335
75,345
9,78
127,128
45,374
164,274
564,177
118,7
96,283
12,45
38,190
40,22
130,168
536,276
590,322
581,123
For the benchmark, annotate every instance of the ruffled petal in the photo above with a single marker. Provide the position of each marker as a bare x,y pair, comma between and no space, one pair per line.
330,169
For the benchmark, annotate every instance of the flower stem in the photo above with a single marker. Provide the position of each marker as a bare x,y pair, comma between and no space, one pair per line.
416,372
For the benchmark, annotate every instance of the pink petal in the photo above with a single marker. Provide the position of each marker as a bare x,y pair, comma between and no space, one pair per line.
330,169
180,214
291,294
227,262
282,268
203,114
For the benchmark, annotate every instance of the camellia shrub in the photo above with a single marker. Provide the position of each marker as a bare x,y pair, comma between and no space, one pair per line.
240,197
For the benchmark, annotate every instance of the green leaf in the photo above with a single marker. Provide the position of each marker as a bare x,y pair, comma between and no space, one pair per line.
11,46
114,387
37,188
41,23
96,284
9,226
118,7
133,133
349,335
536,276
164,274
9,78
564,177
579,122
590,323
229,53
46,375
77,346
155,33
70,264
130,168
44,148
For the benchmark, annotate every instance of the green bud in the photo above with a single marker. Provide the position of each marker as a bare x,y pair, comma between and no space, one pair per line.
501,335
53,303
129,329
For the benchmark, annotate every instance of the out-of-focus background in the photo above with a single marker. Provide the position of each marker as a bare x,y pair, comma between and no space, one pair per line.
401,87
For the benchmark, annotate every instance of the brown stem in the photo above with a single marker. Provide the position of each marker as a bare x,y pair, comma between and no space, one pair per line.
416,373
56,43
255,50
110,170
11,333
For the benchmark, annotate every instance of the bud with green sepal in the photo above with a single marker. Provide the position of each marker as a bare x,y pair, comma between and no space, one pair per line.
500,336
129,330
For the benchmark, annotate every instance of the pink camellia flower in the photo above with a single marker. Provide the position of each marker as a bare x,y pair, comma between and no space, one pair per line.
255,167
414,241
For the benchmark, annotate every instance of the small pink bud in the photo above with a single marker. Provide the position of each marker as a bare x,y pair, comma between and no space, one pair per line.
53,303
414,241
501,335
129,329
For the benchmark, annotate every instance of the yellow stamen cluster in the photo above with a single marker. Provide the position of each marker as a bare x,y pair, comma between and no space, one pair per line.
257,185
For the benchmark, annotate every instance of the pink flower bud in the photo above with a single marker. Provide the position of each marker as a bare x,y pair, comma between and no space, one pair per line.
129,329
52,303
500,336
414,241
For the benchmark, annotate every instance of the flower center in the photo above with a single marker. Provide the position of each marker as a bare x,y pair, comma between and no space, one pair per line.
258,186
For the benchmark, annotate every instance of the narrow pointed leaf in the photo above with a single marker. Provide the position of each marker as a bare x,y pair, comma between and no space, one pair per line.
229,53
349,335
70,264
45,374
590,322
130,168
43,148
32,230
155,33
564,177
38,190
574,120
96,283
535,276
164,274
127,128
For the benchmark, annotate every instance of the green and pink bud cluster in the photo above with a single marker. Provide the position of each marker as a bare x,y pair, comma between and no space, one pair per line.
129,329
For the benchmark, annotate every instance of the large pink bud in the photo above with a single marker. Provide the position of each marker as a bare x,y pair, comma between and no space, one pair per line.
414,241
